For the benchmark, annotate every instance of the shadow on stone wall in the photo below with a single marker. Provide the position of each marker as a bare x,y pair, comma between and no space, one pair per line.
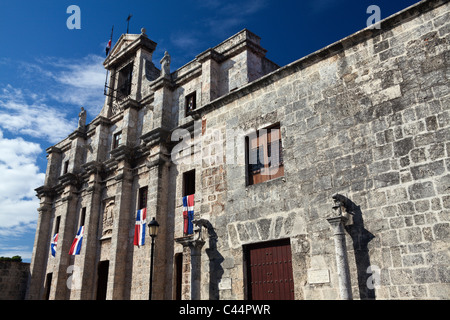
361,238
215,261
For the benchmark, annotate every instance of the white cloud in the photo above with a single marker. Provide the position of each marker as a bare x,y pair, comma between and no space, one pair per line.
86,74
78,82
24,114
19,177
44,108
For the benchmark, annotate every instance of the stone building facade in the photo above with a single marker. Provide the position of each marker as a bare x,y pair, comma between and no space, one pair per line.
349,196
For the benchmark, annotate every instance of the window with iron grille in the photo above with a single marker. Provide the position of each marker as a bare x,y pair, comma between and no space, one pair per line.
191,103
124,81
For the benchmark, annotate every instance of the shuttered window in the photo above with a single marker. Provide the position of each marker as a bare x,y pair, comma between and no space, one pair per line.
264,155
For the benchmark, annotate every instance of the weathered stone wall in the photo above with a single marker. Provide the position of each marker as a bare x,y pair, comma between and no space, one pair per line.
14,277
368,118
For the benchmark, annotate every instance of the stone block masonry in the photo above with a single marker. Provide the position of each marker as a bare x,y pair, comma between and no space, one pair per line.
13,280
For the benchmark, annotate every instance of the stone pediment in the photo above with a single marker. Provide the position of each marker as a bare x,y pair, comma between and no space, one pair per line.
123,42
127,45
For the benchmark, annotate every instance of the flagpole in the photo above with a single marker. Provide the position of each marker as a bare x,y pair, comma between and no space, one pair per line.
128,21
107,52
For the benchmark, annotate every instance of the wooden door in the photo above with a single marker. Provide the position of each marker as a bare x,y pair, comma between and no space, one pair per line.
269,271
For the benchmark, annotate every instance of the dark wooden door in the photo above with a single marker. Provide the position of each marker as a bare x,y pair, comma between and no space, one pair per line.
269,271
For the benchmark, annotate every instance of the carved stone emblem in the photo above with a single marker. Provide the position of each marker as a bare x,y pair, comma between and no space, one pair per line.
108,218
116,108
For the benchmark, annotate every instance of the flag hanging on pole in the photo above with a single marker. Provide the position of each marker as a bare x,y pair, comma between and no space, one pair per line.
139,227
76,244
188,214
108,46
53,244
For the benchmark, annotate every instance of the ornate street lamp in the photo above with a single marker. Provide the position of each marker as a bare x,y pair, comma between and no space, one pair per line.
153,231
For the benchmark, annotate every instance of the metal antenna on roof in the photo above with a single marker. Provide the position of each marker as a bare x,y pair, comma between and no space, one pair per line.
128,21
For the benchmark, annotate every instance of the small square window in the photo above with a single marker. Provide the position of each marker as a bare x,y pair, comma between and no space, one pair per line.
117,139
191,102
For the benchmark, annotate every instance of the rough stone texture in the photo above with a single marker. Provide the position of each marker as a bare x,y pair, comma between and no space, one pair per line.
14,277
366,117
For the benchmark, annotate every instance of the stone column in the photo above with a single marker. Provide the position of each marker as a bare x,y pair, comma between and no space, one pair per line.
196,271
195,247
345,289
120,236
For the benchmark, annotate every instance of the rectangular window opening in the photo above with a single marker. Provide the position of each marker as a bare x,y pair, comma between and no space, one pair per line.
66,167
142,200
83,216
117,139
191,102
124,81
189,183
48,284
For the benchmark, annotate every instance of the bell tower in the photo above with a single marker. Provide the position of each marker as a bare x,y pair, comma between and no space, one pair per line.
130,70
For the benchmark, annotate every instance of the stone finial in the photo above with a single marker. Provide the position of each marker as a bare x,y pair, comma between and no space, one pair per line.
143,31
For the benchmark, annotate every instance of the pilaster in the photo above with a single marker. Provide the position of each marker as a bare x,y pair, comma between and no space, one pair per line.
121,229
67,232
41,248
87,261
210,75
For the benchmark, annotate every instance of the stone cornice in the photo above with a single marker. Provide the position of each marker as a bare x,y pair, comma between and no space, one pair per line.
162,82
45,191
155,136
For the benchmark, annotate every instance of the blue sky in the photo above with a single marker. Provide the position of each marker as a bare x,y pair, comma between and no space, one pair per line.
47,71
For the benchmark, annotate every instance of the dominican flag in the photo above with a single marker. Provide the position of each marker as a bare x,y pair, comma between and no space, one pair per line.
108,47
188,214
54,243
76,244
139,227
